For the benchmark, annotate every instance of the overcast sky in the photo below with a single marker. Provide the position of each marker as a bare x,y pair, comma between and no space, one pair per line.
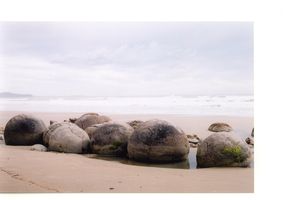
126,59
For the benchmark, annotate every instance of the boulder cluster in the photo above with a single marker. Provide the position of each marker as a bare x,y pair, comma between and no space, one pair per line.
153,141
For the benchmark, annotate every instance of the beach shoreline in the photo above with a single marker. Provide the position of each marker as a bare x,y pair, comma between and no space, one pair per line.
190,124
23,170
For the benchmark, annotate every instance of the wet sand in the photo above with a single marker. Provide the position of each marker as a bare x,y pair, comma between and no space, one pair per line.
22,170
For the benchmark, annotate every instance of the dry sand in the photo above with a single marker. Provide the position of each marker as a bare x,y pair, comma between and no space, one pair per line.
22,170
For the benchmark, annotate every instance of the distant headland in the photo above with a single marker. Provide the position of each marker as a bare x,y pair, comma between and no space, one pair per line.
13,95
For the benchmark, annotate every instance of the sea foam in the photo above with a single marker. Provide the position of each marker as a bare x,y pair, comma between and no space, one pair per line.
198,105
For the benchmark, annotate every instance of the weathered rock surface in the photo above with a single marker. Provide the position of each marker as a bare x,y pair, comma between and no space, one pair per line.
250,141
219,127
158,141
1,133
193,140
110,138
89,130
72,120
193,145
38,147
223,150
90,119
135,123
196,136
24,130
189,136
66,137
52,122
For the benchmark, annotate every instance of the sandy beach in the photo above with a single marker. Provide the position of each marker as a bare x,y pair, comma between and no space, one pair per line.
23,170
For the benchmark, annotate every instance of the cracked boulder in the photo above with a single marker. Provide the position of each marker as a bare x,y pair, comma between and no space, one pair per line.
66,137
110,138
194,140
223,150
24,130
220,127
90,119
158,141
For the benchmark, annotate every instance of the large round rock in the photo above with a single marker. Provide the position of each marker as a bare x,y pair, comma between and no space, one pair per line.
220,127
223,150
66,137
158,141
90,119
24,130
110,138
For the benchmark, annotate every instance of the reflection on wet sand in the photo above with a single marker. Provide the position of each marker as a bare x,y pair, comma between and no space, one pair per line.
190,163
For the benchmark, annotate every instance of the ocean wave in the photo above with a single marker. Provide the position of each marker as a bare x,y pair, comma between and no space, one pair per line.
200,105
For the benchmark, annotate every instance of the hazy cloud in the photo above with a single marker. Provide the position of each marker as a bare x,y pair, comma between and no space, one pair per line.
111,59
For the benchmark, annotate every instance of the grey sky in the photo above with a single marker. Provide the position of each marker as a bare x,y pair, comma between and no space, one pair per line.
127,59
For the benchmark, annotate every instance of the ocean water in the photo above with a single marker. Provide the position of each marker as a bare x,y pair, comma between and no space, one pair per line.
189,163
198,105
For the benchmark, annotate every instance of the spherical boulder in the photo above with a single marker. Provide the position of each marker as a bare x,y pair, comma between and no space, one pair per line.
110,138
90,119
24,130
223,150
66,137
158,141
219,127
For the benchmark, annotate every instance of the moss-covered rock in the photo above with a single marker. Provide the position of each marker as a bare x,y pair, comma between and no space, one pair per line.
223,150
235,152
